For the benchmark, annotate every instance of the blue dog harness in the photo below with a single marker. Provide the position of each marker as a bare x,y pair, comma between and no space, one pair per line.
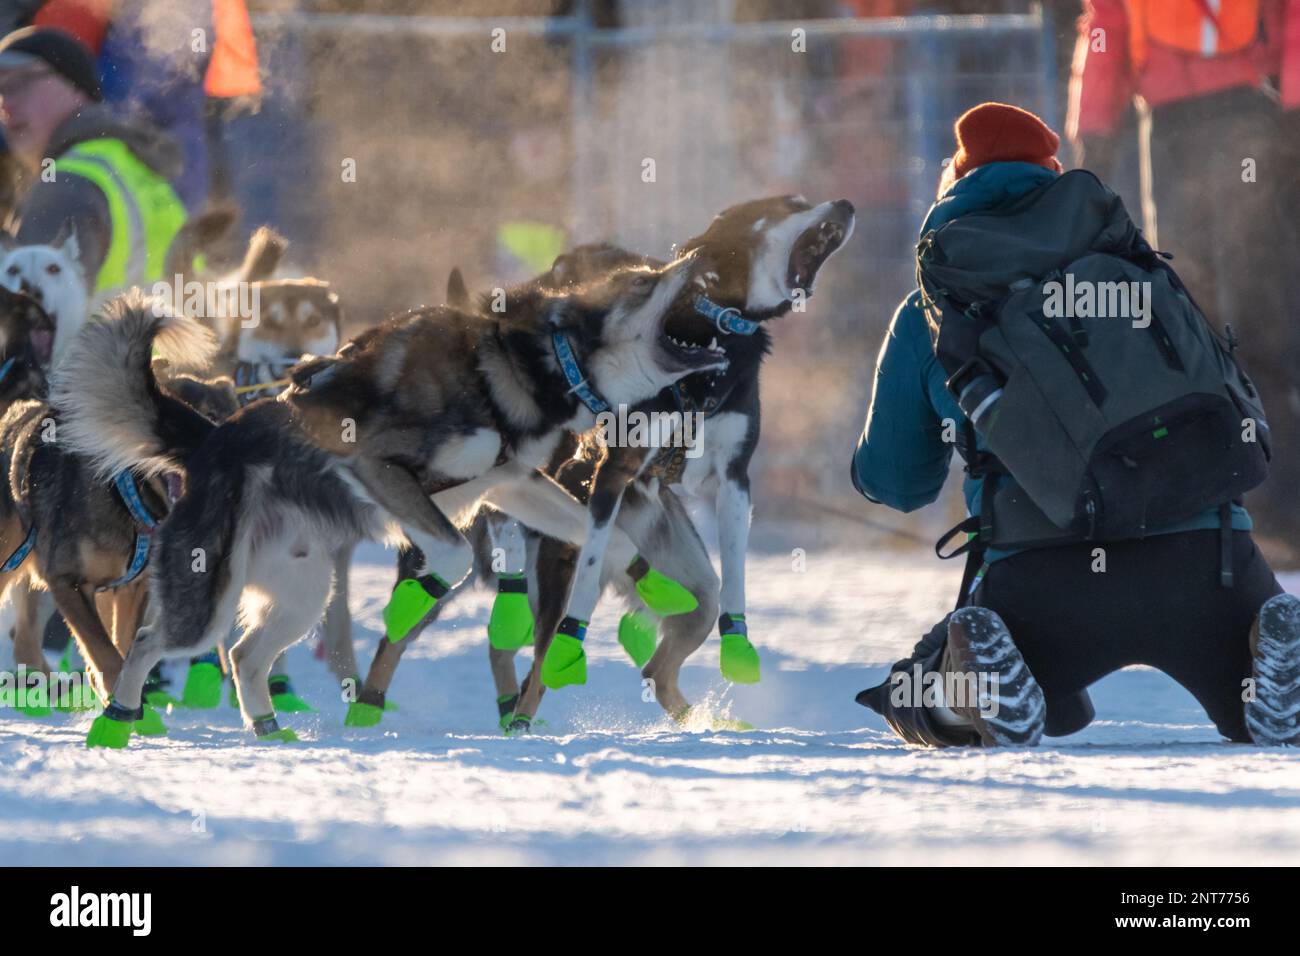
728,321
20,553
145,525
125,484
573,374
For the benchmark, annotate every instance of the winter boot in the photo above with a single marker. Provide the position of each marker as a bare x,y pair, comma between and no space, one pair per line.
1014,712
1273,713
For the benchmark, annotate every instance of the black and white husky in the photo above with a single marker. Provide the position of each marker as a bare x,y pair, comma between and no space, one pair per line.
755,261
399,436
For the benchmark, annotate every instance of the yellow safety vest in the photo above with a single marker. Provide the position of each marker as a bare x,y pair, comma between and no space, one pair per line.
144,210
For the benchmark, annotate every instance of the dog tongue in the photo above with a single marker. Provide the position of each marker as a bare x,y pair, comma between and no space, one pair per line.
42,344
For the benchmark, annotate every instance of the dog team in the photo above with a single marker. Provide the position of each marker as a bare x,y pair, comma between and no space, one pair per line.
166,521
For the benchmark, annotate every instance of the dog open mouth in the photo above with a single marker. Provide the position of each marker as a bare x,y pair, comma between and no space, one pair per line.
811,250
682,355
42,345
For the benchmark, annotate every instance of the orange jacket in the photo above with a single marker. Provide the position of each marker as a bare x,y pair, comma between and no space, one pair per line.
232,71
1170,50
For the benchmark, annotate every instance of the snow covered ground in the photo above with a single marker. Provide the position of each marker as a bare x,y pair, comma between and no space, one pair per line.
610,780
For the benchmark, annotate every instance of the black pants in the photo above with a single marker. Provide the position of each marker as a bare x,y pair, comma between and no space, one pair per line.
1159,603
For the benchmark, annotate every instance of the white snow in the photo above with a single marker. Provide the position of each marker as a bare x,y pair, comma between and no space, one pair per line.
610,780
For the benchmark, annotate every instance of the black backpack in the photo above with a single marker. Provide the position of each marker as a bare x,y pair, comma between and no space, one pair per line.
1092,377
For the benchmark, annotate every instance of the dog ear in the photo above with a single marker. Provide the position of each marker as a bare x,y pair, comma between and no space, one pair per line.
561,269
313,373
65,240
457,293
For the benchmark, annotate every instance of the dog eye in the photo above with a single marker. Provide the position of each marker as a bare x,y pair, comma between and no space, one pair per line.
641,283
53,269
12,270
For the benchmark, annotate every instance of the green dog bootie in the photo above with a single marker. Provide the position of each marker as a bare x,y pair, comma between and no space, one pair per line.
75,695
203,683
285,700
155,690
410,603
637,634
368,709
361,714
511,625
35,695
506,711
149,723
519,726
738,660
660,593
112,728
267,730
565,662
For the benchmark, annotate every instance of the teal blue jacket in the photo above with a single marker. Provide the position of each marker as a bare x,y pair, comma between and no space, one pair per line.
902,458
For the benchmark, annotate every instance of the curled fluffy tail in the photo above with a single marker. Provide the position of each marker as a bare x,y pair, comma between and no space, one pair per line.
110,408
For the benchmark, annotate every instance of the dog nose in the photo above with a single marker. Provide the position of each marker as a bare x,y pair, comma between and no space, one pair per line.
844,206
34,291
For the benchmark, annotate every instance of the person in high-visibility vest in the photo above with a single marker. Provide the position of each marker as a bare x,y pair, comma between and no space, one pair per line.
107,177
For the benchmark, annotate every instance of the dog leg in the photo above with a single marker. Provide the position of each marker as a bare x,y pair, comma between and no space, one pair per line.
447,554
565,661
337,631
27,627
289,586
660,524
367,709
543,505
556,565
738,658
101,656
126,607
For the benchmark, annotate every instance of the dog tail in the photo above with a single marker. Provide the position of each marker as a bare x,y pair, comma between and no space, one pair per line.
109,404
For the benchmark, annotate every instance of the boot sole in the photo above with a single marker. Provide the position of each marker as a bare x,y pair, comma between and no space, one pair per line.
982,644
1273,716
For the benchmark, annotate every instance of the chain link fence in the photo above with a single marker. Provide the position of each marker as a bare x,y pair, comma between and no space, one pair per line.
392,148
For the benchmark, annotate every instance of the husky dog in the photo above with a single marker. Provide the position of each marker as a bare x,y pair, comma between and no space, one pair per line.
52,275
64,529
755,260
404,431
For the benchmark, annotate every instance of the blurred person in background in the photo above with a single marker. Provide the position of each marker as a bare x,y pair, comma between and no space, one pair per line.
184,67
1217,88
111,177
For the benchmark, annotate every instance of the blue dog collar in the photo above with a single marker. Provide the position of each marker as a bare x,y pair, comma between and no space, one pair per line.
573,374
21,552
131,496
728,321
7,367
